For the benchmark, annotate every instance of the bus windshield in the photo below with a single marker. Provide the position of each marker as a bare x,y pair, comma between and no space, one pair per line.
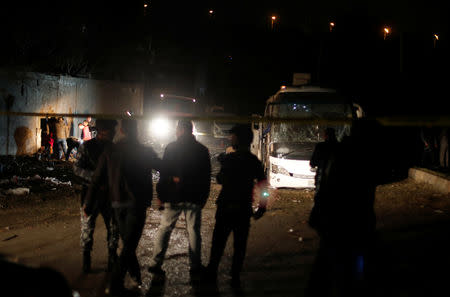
307,106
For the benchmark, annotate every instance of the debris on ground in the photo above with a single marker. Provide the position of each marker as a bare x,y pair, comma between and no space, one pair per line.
27,175
18,191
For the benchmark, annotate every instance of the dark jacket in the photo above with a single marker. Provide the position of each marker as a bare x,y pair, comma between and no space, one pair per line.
87,158
189,160
237,174
84,167
344,205
320,157
126,169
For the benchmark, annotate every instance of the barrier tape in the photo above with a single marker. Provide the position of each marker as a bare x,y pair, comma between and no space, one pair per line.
432,121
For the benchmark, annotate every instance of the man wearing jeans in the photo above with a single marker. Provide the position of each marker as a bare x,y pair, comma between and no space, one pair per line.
183,187
62,132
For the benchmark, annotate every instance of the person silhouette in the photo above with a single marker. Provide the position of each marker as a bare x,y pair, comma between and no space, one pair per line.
238,173
343,214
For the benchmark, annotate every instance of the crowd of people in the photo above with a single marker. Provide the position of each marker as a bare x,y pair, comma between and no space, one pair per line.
118,185
57,141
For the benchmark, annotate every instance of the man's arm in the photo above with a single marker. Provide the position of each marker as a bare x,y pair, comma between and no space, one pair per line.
206,176
82,167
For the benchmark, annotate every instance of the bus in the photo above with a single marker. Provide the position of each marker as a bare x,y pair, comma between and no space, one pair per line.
285,146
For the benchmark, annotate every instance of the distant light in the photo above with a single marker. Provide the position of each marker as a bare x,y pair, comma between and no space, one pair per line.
332,24
387,31
436,36
129,113
211,11
162,95
193,100
145,5
160,127
283,87
274,17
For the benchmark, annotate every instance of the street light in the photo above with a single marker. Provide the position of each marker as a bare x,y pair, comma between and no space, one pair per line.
273,18
435,39
386,32
332,24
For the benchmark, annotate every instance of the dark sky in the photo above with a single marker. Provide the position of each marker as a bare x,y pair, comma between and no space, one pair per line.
233,55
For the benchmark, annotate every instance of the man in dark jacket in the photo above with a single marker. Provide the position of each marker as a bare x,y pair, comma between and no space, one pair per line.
239,171
322,152
344,216
184,187
126,169
84,167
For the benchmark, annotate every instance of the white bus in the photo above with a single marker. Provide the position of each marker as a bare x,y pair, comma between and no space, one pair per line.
286,147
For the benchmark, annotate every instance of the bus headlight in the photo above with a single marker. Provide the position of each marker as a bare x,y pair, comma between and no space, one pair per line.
160,127
277,169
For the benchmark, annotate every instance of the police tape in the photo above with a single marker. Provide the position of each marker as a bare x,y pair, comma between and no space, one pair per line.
400,120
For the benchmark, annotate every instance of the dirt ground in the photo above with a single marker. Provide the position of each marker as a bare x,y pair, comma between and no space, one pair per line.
41,229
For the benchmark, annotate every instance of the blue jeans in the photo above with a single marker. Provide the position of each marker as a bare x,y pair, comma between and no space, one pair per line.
193,214
61,144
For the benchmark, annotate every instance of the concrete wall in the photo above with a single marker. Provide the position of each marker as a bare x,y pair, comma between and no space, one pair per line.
35,92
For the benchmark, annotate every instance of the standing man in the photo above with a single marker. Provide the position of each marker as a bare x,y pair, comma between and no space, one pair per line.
126,169
343,214
87,160
183,187
238,173
62,132
322,152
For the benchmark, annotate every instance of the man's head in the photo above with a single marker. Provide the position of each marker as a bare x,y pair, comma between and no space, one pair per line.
129,128
241,136
329,135
105,128
184,127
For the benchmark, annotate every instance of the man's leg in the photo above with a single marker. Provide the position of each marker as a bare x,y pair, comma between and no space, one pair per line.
70,147
87,237
58,149
131,223
221,232
64,146
168,220
135,225
193,213
112,235
240,234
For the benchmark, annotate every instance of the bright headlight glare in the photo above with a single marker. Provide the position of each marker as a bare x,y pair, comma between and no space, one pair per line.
160,127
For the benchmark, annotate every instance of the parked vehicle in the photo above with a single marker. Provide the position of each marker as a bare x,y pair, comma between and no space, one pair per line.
293,120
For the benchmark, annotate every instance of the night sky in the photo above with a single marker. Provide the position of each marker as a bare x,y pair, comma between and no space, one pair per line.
233,57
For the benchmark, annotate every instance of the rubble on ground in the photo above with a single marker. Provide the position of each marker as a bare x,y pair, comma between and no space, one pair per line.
25,175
